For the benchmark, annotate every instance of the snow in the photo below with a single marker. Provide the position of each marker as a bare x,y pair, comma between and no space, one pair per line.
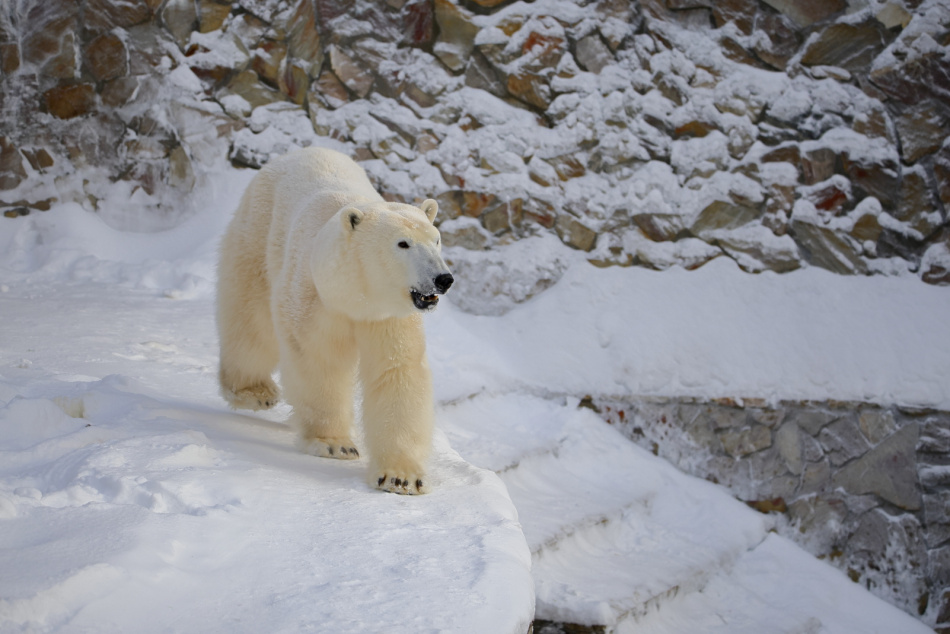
132,499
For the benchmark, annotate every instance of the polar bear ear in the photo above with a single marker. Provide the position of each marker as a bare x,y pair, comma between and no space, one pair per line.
430,208
351,216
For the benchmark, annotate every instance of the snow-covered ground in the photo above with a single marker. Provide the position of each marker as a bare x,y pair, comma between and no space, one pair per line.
132,499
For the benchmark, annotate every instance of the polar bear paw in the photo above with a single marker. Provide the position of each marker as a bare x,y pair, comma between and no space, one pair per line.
396,481
262,396
339,448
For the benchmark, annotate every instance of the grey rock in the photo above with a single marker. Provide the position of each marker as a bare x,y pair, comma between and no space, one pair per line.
849,46
592,54
889,471
827,249
742,442
815,477
843,441
812,450
937,516
789,445
574,234
807,12
721,214
819,517
922,131
811,420
876,424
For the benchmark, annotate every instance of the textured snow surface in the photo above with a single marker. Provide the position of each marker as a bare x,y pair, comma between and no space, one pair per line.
132,499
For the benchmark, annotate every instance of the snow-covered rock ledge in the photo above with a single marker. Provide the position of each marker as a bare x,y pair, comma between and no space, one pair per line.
138,502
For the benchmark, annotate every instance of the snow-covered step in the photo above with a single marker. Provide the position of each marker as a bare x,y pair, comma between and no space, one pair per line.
776,588
623,540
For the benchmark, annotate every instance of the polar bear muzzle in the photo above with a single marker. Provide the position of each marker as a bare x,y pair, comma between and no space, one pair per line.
442,283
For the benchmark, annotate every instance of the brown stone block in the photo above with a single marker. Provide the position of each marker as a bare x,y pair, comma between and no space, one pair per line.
418,23
721,214
11,165
694,129
574,234
211,15
328,10
881,180
71,101
267,59
540,212
867,228
119,91
294,82
825,248
248,86
783,40
941,171
39,158
567,166
107,57
531,88
922,131
488,4
849,46
330,89
742,13
659,227
923,77
806,12
818,165
9,57
180,18
353,75
105,15
303,37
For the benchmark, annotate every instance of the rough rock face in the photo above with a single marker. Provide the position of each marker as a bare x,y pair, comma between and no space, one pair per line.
653,133
863,486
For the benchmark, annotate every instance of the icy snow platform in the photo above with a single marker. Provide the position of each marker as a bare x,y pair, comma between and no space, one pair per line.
133,500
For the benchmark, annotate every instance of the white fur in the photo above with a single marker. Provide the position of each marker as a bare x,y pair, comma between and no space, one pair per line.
312,278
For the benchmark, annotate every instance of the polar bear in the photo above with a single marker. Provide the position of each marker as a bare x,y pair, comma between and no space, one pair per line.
320,277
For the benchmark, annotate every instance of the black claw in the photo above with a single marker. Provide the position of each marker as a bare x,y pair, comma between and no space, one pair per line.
330,450
397,482
418,485
379,482
354,451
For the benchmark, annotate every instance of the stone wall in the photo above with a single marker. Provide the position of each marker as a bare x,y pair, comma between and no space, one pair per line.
648,133
863,486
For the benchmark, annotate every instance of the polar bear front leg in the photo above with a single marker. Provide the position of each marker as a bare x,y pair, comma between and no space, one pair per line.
318,383
397,403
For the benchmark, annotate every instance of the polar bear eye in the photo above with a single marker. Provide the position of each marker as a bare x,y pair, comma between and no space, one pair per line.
403,244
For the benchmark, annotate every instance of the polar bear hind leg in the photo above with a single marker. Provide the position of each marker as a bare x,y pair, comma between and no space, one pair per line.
249,351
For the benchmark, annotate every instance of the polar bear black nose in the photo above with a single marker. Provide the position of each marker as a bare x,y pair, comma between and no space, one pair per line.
443,282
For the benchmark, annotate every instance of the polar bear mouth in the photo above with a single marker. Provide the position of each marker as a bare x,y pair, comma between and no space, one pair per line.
423,302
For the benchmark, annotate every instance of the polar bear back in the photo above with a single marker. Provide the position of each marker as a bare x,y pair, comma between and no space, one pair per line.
300,192
318,182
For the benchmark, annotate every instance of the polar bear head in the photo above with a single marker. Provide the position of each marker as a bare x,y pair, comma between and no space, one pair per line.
379,260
